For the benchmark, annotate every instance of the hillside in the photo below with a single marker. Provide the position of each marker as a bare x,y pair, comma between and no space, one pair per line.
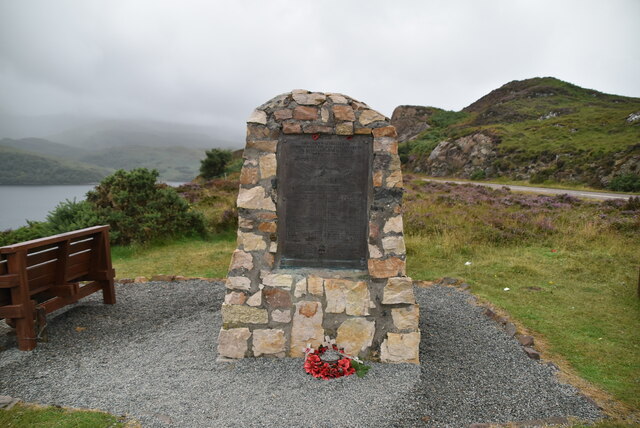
44,147
21,167
537,129
173,163
119,133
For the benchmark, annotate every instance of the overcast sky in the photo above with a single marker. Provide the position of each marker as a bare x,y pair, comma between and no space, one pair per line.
212,62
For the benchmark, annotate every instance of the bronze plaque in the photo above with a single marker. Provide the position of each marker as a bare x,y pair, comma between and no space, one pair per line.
323,188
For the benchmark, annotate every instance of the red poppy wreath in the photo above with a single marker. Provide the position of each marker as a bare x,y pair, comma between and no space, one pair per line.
330,362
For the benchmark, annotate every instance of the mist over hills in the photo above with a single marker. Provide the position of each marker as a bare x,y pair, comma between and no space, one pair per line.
93,149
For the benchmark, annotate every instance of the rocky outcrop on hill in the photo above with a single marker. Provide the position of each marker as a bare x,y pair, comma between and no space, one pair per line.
410,121
463,157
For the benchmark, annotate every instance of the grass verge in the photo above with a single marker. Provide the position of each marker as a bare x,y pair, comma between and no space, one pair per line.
31,416
195,257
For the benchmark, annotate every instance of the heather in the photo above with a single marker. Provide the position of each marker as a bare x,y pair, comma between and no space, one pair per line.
565,269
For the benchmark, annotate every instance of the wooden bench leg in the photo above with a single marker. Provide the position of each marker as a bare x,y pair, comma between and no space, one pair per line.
108,292
26,330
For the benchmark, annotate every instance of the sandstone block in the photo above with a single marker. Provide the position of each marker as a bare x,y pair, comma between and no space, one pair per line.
283,316
393,245
406,318
278,280
369,116
385,145
268,166
241,260
305,113
355,335
393,225
249,175
232,343
357,298
362,131
324,114
344,113
260,132
312,99
238,283
240,314
258,116
291,128
377,178
235,298
394,179
392,266
277,298
338,98
401,348
374,230
374,252
264,145
398,290
244,223
336,299
317,129
385,131
347,296
267,227
283,114
359,105
251,241
268,216
344,128
316,285
301,288
306,327
255,299
269,342
255,199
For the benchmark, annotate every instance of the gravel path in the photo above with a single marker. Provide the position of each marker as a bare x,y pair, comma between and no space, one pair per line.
152,356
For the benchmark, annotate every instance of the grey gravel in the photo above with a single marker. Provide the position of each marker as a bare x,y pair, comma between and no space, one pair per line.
152,357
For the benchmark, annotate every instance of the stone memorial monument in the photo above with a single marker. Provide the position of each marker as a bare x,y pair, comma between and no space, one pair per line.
320,238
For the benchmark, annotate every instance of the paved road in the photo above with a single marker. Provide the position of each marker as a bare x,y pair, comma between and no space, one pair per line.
544,190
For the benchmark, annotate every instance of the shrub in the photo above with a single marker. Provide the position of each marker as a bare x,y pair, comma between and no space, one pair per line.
33,230
626,183
140,211
214,164
72,215
478,174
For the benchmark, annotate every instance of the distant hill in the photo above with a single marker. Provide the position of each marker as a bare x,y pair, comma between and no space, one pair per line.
173,163
536,129
21,167
119,133
40,146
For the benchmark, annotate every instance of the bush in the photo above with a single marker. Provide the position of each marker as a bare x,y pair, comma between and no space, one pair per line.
33,230
139,210
72,215
478,174
213,165
626,183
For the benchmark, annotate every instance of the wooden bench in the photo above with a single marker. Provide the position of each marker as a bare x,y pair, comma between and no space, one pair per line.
37,277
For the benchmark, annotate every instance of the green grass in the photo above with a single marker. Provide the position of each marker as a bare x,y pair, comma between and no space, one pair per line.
207,258
590,131
571,271
27,416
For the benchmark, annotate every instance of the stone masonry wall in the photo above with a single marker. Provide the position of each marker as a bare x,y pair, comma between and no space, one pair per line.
277,312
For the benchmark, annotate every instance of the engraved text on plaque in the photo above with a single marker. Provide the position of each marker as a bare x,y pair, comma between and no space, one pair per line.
323,188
